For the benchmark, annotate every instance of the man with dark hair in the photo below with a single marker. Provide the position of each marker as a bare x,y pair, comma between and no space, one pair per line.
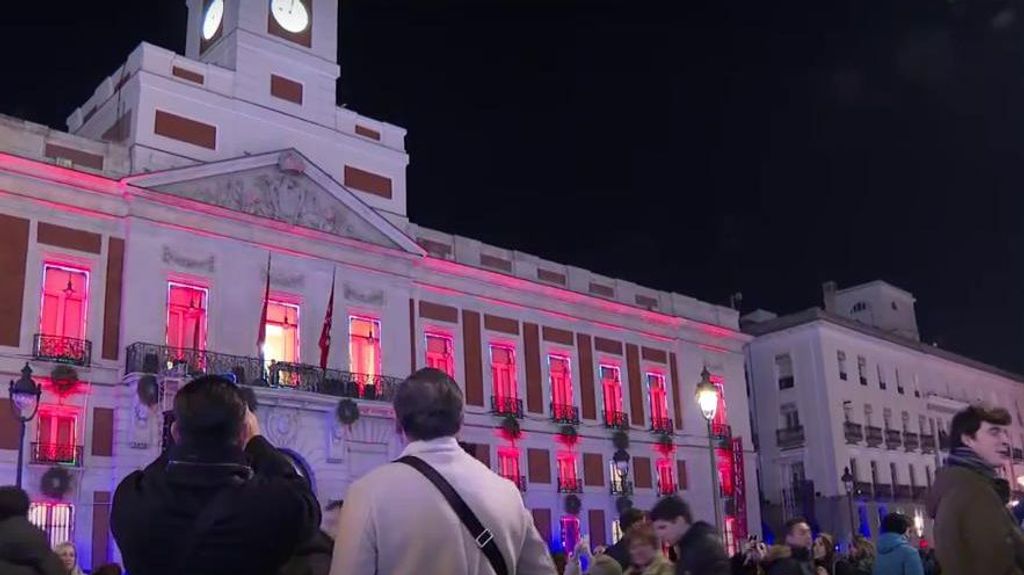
620,551
793,558
699,549
222,500
974,532
396,520
24,549
895,555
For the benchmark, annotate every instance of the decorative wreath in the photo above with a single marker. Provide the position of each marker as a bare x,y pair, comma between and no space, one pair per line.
573,504
623,503
510,425
568,434
56,482
620,439
348,411
148,390
64,378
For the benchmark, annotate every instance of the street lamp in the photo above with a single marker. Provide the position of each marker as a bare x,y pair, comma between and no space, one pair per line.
24,395
848,481
707,399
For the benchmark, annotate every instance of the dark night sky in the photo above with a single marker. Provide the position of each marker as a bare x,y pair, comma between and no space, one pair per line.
700,146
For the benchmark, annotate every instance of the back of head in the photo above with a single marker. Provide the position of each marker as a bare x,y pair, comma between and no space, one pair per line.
895,523
209,411
604,565
671,508
642,534
14,502
428,405
630,517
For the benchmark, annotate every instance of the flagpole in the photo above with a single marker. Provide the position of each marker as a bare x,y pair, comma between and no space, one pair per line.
262,333
325,332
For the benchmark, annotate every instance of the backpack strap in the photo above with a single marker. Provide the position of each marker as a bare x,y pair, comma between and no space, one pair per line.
481,535
203,523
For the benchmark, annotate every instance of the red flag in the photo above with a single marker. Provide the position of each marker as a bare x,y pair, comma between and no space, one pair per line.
325,333
262,337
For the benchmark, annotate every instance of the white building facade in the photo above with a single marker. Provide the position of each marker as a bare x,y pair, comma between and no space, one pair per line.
139,247
851,387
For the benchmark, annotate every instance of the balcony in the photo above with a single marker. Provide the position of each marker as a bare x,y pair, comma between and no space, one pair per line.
863,489
910,441
518,480
666,488
67,350
854,432
790,437
893,439
918,492
57,454
622,487
616,420
873,436
507,406
661,425
565,414
186,363
570,485
928,443
903,492
943,441
883,491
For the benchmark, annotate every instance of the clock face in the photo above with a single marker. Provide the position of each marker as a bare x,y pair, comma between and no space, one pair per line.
212,19
291,15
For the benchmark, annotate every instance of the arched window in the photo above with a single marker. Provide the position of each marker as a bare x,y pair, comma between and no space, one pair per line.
859,307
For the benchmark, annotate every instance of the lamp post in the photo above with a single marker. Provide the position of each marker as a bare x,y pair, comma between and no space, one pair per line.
848,481
24,395
707,399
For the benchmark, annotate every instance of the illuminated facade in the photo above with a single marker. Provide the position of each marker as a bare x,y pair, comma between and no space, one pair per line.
136,249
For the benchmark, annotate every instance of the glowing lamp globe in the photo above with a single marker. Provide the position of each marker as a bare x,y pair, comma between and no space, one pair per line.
707,395
24,395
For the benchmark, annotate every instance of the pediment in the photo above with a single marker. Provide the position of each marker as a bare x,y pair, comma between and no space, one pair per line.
283,187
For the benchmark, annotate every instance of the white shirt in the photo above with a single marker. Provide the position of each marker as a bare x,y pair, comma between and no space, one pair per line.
395,522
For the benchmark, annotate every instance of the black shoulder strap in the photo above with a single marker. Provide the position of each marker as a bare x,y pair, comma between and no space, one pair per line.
203,523
483,537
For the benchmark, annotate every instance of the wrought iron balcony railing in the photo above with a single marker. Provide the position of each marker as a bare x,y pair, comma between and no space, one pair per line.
893,439
790,437
616,420
662,425
666,488
911,441
854,432
507,406
181,362
570,485
58,349
873,435
883,491
622,487
565,414
903,492
519,480
57,453
721,431
928,443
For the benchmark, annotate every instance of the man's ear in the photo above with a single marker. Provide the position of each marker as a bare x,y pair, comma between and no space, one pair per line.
175,432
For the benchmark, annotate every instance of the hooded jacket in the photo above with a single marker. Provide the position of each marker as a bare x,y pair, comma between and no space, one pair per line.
974,532
896,556
24,550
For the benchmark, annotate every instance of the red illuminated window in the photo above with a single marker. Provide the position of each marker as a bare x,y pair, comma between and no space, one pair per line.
561,381
666,477
186,316
282,343
570,527
503,372
611,383
659,399
364,346
56,519
508,464
56,436
65,299
721,416
568,481
441,353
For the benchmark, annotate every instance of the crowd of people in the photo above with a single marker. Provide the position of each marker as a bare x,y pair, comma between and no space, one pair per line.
222,500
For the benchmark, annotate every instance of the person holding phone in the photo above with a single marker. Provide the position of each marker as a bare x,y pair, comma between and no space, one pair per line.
599,564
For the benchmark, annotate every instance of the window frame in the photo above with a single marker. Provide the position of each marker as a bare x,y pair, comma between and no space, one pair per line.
512,364
67,268
375,337
448,358
66,530
203,311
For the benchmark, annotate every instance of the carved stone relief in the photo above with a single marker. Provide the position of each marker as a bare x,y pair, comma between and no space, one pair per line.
368,296
284,279
175,259
282,425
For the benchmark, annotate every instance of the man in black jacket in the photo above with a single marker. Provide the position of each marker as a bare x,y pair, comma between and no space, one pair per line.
620,551
798,560
221,501
698,546
24,549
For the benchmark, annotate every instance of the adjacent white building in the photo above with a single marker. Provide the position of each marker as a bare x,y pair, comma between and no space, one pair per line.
137,249
851,386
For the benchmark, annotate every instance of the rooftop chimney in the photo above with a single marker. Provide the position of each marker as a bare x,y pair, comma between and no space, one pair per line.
828,292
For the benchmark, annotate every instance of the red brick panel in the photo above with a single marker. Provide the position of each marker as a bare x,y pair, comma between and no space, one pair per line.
100,528
642,472
677,399
542,520
439,312
534,388
608,346
368,182
70,238
102,431
13,253
636,385
655,355
185,130
10,427
588,401
538,463
597,527
593,469
474,359
112,299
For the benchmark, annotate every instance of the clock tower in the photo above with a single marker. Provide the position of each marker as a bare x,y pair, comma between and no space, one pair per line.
284,52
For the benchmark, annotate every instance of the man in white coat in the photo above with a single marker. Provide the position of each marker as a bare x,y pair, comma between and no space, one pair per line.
396,522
